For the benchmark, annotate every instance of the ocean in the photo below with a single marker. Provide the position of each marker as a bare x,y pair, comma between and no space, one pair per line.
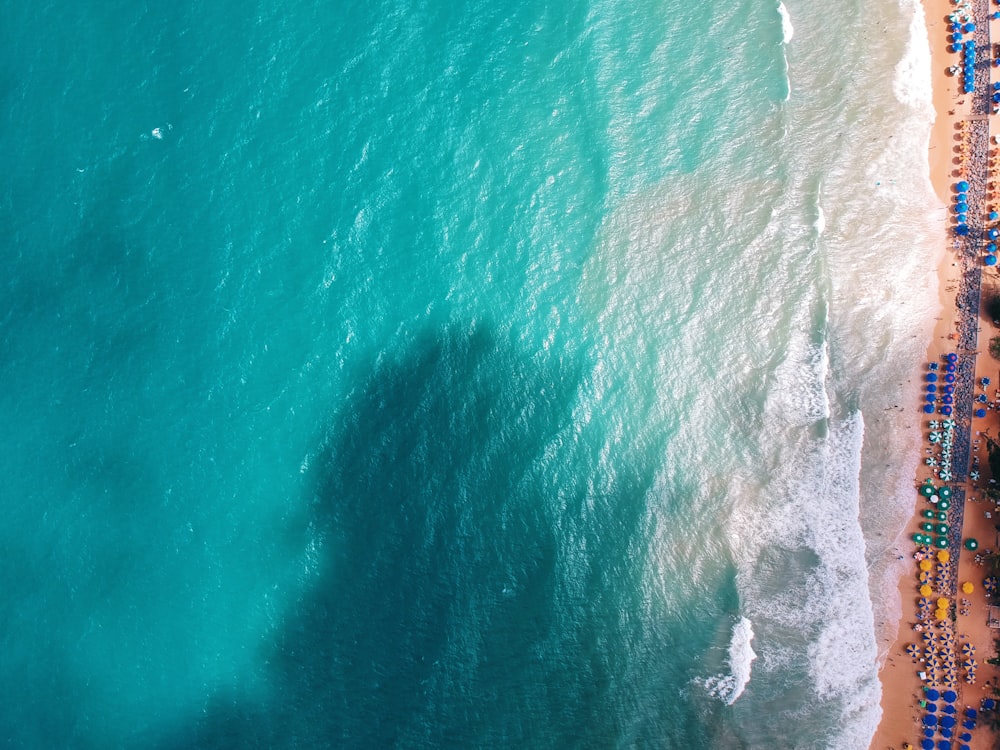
469,374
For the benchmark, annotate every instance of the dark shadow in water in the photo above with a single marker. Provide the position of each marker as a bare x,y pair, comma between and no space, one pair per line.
473,591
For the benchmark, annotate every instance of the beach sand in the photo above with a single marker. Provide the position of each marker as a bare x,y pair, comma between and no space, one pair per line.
902,689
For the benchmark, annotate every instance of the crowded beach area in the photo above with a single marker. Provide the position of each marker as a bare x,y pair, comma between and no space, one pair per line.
940,679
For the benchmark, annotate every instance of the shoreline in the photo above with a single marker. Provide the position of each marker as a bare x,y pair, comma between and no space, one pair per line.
902,687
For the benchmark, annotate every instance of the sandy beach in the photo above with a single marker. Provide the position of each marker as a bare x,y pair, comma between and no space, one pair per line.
903,689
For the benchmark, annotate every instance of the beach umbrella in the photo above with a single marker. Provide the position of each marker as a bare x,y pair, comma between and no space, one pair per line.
949,389
993,233
930,720
942,602
992,247
944,505
942,528
926,590
926,564
911,650
969,724
985,382
931,515
932,694
962,230
981,398
990,260
945,492
971,544
967,587
961,186
930,398
948,721
944,399
942,516
931,377
982,412
969,28
927,526
993,214
949,709
989,704
946,410
931,388
927,636
941,542
949,696
928,409
960,207
968,649
941,614
927,490
927,744
955,48
944,745
931,708
949,377
943,556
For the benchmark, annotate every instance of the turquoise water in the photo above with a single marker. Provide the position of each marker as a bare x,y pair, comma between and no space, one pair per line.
456,374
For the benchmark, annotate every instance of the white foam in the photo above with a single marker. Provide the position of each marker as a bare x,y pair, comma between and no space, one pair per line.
728,688
911,83
787,29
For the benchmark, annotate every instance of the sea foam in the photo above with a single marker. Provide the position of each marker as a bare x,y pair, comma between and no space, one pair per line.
729,687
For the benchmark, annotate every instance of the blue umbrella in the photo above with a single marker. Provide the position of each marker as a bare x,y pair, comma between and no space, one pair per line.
962,186
930,720
971,713
946,733
961,219
969,28
950,367
931,708
991,248
932,694
994,233
965,736
990,260
949,389
981,398
928,409
946,400
985,382
946,410
955,48
989,704
927,744
951,357
949,709
931,388
948,721
962,230
931,377
970,724
949,378
980,413
961,208
930,398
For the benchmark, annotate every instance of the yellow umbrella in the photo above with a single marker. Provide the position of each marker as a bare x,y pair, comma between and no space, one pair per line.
967,587
943,555
942,603
925,590
941,614
926,564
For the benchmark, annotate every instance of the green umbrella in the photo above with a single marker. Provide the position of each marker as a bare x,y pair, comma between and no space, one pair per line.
942,516
944,492
971,544
927,490
927,526
944,505
942,528
942,542
929,514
